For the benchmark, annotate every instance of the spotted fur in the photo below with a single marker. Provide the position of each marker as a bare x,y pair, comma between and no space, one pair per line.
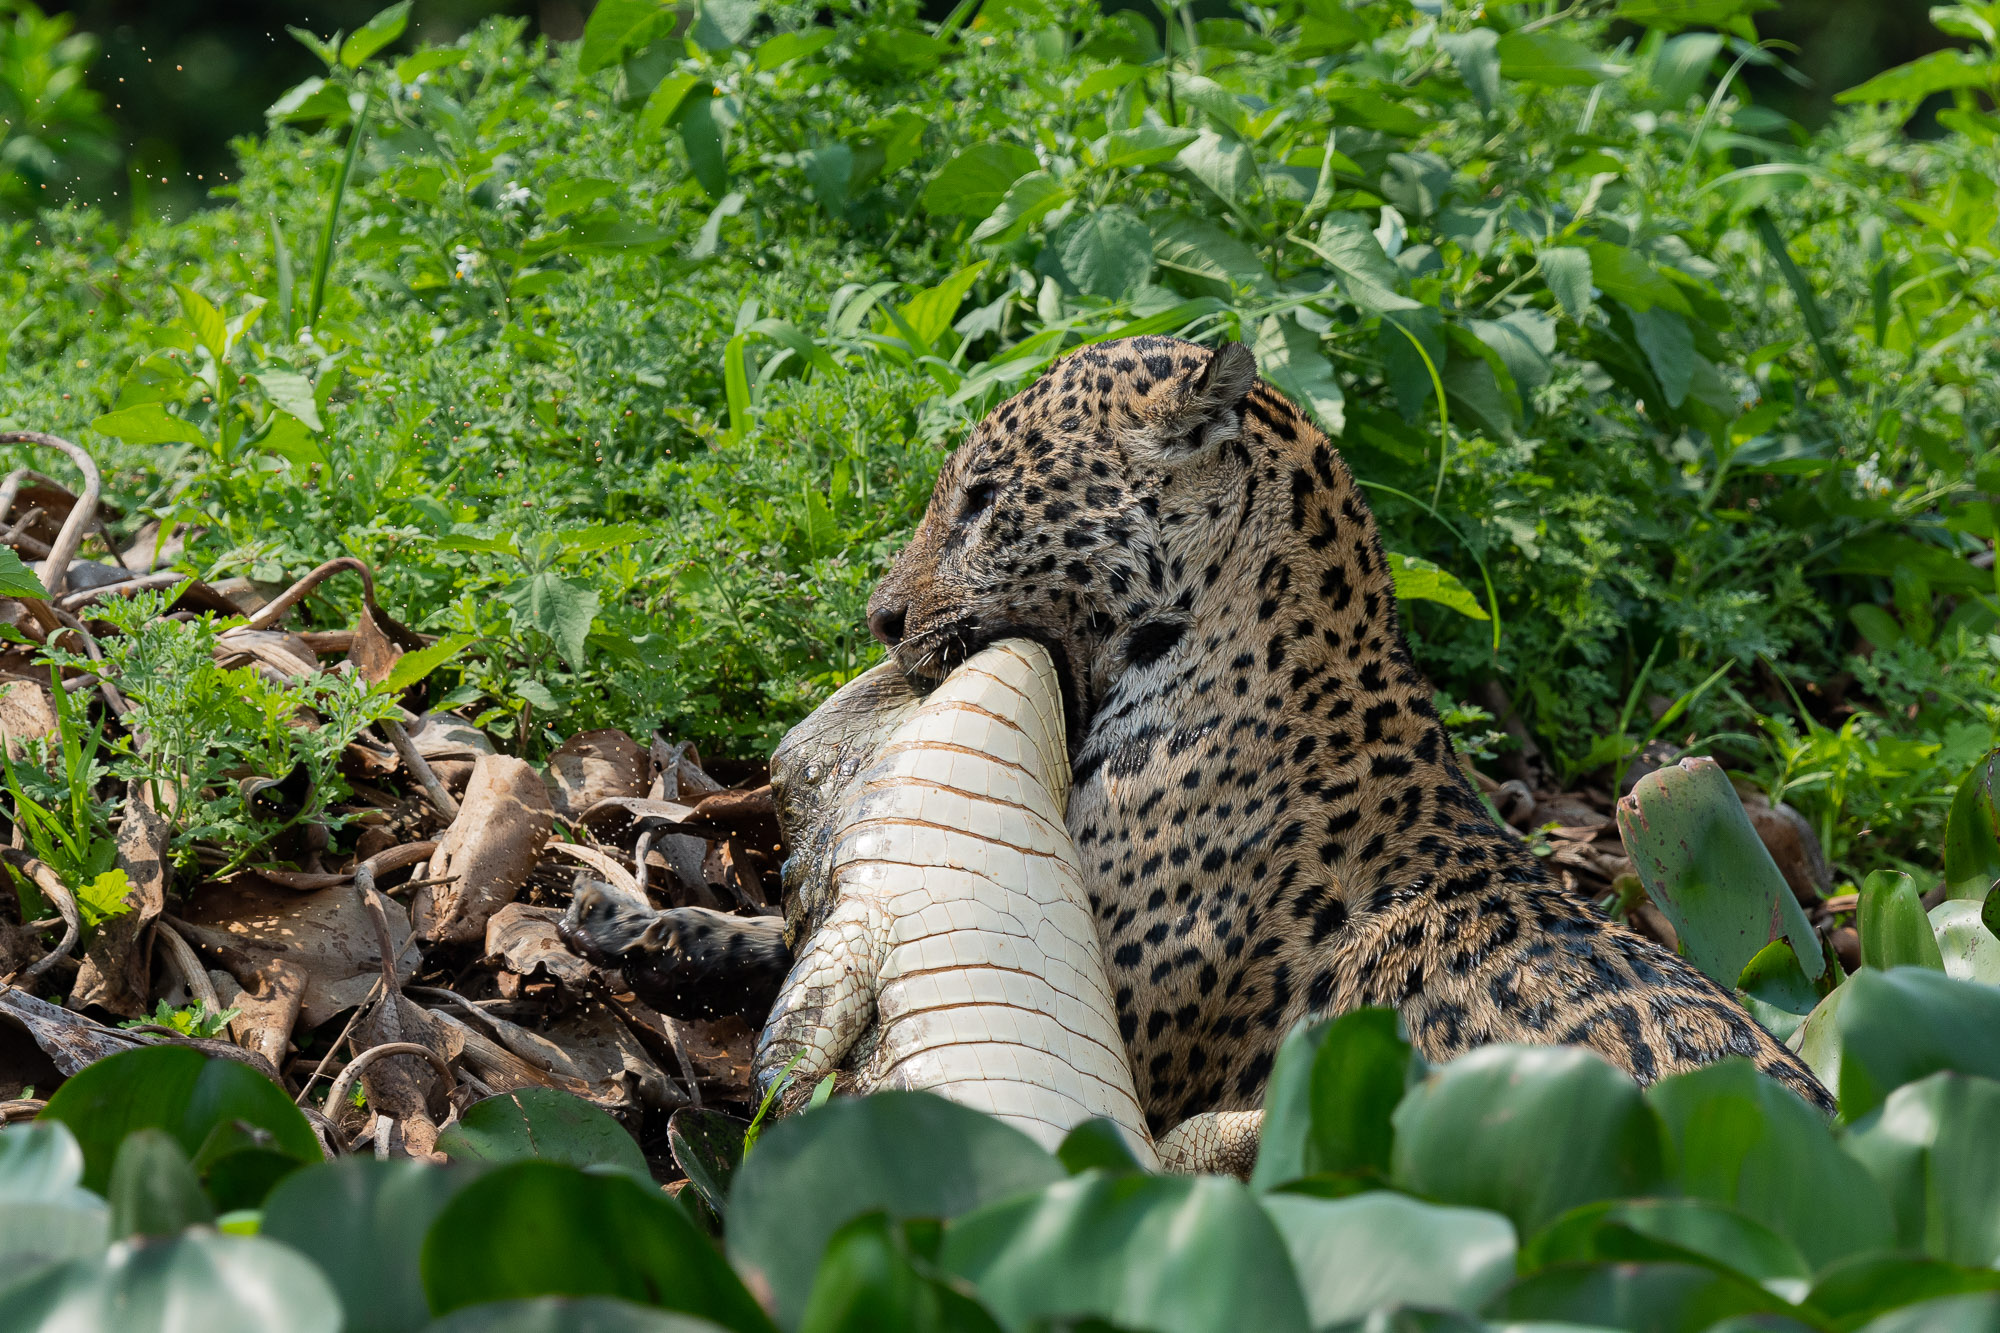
1272,820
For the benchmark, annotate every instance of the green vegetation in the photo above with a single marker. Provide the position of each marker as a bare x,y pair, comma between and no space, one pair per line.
632,360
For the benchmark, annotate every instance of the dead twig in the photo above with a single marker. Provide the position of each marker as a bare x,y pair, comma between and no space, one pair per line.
194,977
82,514
53,889
374,993
274,610
406,750
343,1086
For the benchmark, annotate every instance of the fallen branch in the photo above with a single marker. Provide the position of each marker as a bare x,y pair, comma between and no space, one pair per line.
55,569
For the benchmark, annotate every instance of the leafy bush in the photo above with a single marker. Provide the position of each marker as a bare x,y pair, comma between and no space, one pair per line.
633,359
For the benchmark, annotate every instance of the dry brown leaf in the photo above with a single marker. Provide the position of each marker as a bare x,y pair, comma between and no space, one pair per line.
27,712
524,938
502,825
268,1009
329,935
592,766
116,974
283,655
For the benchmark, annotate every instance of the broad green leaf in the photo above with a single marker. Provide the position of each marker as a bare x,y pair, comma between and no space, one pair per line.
198,1282
1026,202
1894,930
40,1160
1670,1230
1742,1139
1566,270
910,1154
1625,275
1709,873
1381,1249
1225,166
1289,356
974,182
1196,248
828,172
1143,146
293,393
204,321
154,1190
540,1229
1107,253
558,607
1097,1144
1546,58
1673,15
930,312
1640,1297
867,1282
613,28
721,24
542,1125
1940,71
1972,832
179,1090
1897,1027
1524,340
363,1223
1776,990
576,194
1332,1092
1933,1148
1668,343
1528,1131
147,423
16,579
708,1147
1418,579
666,100
417,664
1368,277
1851,1292
413,67
1970,950
46,1216
702,136
1476,53
781,49
375,34
567,1314
1170,1254
605,537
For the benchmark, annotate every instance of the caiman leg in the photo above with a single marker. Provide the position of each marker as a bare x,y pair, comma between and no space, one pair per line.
828,1001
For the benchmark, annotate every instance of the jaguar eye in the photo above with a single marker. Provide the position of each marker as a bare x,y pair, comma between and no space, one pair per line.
978,499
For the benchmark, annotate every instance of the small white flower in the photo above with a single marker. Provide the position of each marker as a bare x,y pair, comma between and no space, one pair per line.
1869,476
468,260
515,195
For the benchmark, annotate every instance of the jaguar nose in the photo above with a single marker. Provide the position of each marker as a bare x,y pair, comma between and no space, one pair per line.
886,624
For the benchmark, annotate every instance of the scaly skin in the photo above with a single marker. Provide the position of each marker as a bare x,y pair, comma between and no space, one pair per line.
953,922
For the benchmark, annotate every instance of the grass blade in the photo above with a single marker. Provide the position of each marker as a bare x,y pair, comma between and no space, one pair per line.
1802,292
323,260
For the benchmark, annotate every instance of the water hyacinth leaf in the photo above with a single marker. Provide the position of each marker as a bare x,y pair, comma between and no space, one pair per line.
1709,873
1670,1230
1776,990
708,1147
1096,1145
1289,357
176,1089
1174,1254
1333,1088
1741,1139
363,1223
542,1124
974,182
1972,832
567,1314
40,1161
1894,930
46,1216
1972,1312
196,1281
867,1281
1970,950
1850,1293
1933,1149
154,1190
910,1154
539,1229
1899,1026
1641,1297
1382,1249
1530,1132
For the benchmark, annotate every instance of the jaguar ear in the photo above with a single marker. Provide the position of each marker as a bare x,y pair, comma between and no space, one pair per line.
1203,409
